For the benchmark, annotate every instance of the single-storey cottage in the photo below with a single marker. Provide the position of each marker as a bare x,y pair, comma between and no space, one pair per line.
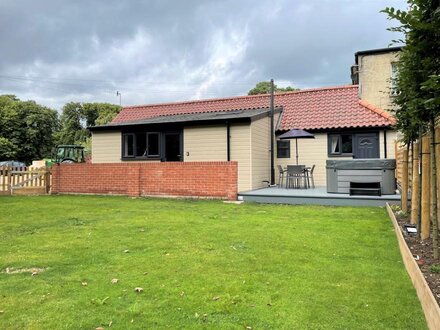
239,129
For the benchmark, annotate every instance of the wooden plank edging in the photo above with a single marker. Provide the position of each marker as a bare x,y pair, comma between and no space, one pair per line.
427,300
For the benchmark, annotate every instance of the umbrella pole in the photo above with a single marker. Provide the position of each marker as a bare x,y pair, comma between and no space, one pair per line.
296,142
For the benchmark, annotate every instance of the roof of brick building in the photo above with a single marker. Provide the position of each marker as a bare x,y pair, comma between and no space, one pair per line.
312,109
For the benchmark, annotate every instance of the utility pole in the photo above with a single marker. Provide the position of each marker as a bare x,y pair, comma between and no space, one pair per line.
271,115
120,97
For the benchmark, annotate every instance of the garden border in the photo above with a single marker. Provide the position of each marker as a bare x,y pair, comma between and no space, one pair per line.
427,300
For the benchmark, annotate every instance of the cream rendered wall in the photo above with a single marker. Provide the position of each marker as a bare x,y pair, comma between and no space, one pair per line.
260,141
106,147
374,78
204,143
310,152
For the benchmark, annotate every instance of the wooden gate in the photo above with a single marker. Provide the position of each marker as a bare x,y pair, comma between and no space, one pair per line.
24,181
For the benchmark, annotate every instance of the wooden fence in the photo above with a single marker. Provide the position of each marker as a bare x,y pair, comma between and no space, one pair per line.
407,173
24,181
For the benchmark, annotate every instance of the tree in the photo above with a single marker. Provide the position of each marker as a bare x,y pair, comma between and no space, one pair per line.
26,129
76,117
263,87
8,150
418,82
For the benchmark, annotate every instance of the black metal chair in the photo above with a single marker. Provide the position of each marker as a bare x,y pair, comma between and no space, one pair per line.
296,174
281,171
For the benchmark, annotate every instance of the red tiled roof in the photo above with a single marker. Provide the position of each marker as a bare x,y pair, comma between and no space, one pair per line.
319,108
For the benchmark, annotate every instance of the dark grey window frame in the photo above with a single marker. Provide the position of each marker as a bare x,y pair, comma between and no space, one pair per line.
161,148
339,136
285,148
124,145
147,156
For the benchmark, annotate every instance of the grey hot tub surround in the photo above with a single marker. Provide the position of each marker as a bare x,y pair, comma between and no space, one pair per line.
341,172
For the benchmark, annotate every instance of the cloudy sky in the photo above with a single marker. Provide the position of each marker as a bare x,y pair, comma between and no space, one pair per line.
55,51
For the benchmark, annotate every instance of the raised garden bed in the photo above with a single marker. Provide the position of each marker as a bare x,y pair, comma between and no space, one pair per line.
420,264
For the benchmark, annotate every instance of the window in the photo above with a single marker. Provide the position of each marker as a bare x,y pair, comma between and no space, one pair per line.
393,80
153,144
128,145
356,145
141,144
340,144
148,145
283,149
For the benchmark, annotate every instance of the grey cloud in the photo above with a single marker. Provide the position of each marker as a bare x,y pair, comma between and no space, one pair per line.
164,50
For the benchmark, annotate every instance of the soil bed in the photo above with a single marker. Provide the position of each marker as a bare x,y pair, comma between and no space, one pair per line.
422,252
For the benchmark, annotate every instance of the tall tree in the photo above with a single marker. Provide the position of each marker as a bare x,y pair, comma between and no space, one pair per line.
263,87
418,81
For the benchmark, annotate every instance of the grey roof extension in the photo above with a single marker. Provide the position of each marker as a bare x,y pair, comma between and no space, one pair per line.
200,118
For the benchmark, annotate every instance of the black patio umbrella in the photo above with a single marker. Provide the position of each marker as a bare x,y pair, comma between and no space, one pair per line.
296,134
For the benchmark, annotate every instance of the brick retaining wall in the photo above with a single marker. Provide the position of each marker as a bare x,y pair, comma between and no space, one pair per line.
183,179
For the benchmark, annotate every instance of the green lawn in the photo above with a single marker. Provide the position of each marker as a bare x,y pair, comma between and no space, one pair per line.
201,264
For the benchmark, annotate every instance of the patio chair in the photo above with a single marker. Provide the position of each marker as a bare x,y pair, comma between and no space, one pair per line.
297,175
281,171
309,174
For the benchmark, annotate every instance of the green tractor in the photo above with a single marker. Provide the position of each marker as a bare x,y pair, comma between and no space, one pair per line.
68,154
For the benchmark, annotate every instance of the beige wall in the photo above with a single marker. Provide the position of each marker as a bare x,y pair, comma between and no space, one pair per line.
204,143
311,152
241,152
260,141
374,78
314,152
106,147
208,143
249,143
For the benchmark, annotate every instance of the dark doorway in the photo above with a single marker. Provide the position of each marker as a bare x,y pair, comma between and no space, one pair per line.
367,145
172,147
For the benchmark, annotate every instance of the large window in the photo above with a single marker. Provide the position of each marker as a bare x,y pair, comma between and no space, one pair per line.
283,149
141,145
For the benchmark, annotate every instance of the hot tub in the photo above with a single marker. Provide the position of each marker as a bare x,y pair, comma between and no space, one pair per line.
340,173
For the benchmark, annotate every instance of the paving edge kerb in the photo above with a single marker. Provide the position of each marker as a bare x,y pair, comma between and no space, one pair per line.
427,300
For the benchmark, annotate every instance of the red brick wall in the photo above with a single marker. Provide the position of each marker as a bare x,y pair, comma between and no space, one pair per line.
186,179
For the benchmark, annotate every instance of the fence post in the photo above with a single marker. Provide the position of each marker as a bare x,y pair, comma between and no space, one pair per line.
426,209
10,179
47,179
404,194
437,160
415,184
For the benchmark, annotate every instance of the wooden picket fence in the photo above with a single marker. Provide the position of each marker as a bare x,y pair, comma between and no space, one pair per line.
24,180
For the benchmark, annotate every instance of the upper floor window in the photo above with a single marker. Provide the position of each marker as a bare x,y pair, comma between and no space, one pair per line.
393,81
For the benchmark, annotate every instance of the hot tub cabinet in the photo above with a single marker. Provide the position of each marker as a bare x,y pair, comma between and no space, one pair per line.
341,174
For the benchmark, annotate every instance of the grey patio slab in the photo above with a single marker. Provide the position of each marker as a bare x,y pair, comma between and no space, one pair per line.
316,196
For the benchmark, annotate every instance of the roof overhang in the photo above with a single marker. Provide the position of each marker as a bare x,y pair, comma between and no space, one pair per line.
204,118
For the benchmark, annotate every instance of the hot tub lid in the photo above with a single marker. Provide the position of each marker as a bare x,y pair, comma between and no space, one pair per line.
362,164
